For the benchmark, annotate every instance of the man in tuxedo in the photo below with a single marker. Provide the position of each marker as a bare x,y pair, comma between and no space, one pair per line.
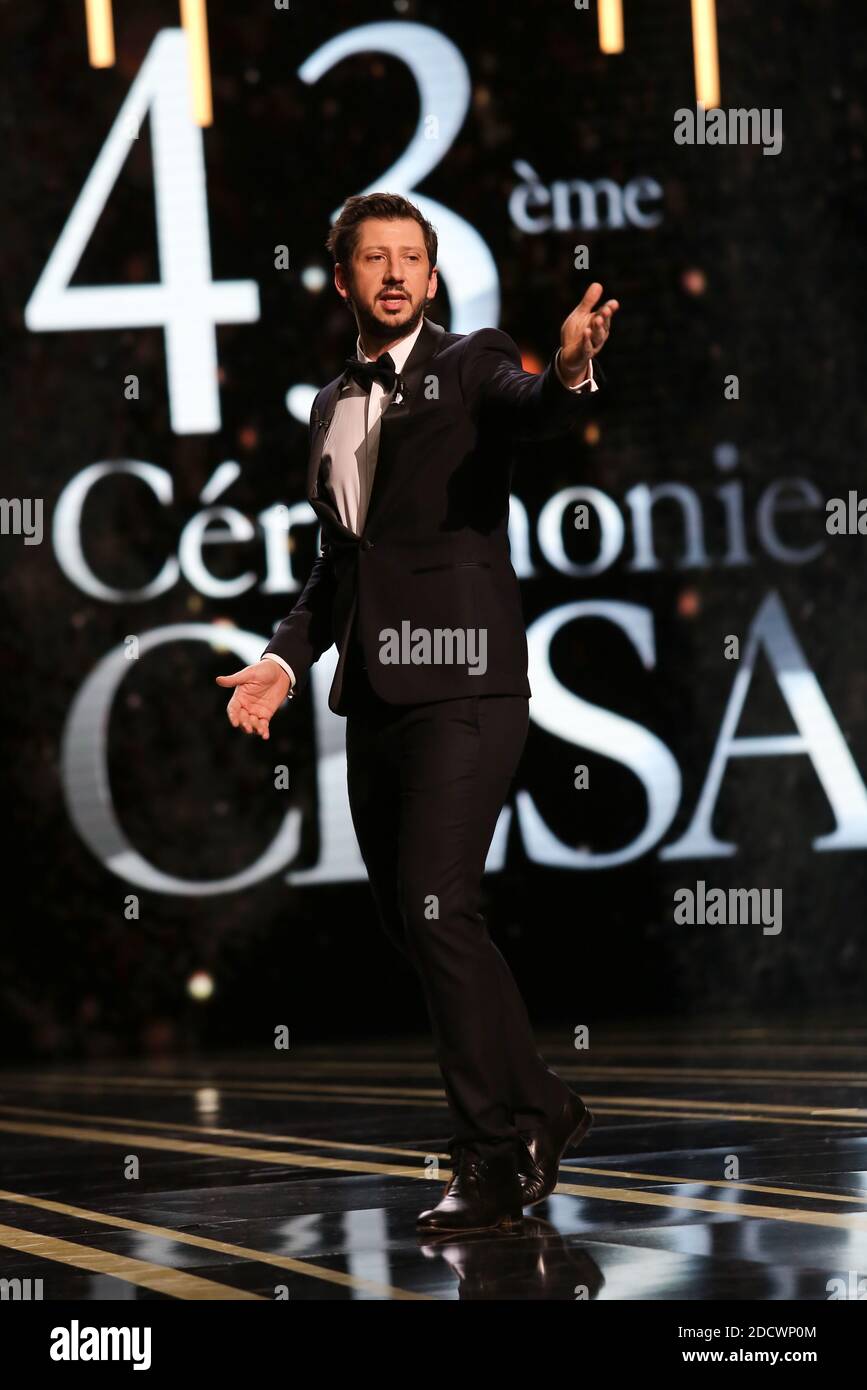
409,472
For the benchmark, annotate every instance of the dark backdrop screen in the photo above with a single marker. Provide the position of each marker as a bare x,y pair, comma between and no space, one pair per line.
169,312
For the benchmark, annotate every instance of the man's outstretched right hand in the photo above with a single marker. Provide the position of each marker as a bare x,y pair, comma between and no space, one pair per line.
259,691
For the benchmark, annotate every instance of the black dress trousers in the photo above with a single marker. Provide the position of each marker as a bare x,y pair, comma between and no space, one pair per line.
426,785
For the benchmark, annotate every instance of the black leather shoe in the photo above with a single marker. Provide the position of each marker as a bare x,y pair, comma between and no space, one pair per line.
539,1160
482,1194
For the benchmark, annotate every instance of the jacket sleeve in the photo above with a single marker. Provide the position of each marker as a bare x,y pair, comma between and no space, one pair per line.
307,631
527,405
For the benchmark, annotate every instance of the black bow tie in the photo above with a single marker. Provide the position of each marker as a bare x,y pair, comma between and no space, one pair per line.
382,370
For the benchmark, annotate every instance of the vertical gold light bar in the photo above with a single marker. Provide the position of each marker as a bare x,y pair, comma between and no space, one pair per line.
100,33
611,26
705,56
195,22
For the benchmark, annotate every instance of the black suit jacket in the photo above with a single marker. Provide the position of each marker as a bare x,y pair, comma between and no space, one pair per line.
434,550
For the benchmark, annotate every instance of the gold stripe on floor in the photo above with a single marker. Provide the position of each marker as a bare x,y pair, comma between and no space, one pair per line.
839,1111
400,1095
729,1184
259,1134
174,1283
854,1221
340,1067
752,1117
222,1247
150,1141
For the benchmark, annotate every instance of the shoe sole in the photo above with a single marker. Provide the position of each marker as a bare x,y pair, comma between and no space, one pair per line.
504,1223
576,1139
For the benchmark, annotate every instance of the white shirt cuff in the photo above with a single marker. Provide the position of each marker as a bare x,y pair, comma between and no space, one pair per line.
588,384
272,656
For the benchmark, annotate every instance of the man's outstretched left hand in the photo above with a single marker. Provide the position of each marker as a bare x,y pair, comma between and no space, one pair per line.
585,332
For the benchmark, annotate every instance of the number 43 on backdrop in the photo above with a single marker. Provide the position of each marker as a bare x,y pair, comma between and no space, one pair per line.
188,303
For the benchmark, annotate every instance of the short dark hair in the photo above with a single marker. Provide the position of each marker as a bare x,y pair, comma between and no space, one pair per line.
343,237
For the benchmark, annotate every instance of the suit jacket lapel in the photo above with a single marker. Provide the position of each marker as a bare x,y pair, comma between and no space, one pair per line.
388,480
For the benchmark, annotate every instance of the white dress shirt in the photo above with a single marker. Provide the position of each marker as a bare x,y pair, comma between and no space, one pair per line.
352,443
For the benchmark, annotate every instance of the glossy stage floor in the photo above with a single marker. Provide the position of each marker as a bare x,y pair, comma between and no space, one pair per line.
725,1163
